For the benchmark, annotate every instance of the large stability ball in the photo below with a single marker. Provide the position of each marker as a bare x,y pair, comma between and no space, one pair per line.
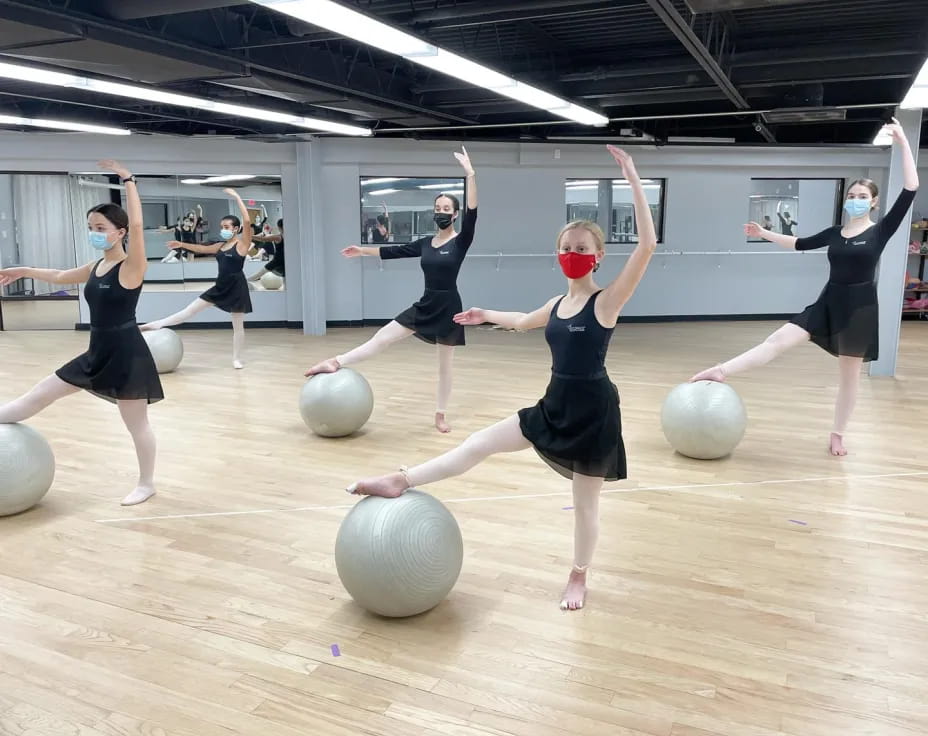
271,281
27,468
166,348
704,420
399,556
336,404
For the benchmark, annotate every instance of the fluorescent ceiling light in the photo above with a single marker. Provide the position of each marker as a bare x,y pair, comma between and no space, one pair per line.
219,179
437,186
917,96
882,138
360,27
455,192
62,125
378,192
74,81
381,180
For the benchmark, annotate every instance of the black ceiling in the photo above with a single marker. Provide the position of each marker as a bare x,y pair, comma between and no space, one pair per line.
733,69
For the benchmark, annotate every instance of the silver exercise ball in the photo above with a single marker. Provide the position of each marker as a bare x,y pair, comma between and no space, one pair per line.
27,468
704,420
336,404
399,556
271,281
166,348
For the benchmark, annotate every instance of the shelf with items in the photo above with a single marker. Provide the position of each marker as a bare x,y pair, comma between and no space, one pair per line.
915,302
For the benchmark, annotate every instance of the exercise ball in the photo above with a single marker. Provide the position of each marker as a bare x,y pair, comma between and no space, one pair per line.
336,404
271,281
166,348
704,420
27,468
399,556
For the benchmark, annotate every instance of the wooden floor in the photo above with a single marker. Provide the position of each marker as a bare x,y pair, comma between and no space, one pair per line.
777,592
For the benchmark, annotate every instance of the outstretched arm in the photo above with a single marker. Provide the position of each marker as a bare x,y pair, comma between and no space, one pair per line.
753,230
510,320
133,269
621,289
194,247
78,275
244,240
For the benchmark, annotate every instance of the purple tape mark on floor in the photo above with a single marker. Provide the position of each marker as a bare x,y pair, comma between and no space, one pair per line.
336,652
801,523
567,508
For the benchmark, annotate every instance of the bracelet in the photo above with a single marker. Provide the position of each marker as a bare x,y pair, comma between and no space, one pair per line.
131,178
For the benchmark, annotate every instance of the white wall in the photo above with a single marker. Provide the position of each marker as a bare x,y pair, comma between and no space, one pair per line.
521,191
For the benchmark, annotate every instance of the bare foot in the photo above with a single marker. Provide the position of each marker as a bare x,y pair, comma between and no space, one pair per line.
575,593
710,374
388,486
326,366
150,327
238,365
837,445
140,495
440,424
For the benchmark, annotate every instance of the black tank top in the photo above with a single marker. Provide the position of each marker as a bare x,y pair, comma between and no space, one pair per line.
578,344
111,304
230,263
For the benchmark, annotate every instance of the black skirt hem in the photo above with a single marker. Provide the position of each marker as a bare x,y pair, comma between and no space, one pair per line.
111,395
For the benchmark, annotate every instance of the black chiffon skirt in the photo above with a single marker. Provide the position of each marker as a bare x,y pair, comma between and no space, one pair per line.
577,428
432,318
117,366
230,294
844,320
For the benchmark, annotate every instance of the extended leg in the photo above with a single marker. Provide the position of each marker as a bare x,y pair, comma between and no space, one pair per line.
788,336
382,339
196,306
45,392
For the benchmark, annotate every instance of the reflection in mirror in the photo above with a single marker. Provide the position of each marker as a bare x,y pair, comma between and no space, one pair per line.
609,203
36,230
400,209
184,215
775,205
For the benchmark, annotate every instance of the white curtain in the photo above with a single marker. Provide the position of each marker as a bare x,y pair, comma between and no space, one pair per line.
85,198
43,219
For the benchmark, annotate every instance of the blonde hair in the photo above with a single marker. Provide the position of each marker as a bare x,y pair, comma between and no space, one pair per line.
591,227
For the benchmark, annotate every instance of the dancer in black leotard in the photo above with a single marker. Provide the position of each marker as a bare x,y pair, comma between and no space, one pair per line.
276,264
576,428
431,319
117,366
230,293
844,320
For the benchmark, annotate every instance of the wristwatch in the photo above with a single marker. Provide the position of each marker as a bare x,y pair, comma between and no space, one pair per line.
131,178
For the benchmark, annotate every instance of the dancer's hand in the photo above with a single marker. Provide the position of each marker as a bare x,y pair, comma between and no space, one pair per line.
230,191
117,168
472,316
352,251
753,230
464,160
9,275
623,158
894,130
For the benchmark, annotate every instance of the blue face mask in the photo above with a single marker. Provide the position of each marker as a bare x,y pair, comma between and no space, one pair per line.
225,234
99,241
857,207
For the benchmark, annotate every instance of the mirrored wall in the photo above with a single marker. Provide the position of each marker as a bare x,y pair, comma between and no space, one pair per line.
183,217
797,207
400,209
609,203
36,229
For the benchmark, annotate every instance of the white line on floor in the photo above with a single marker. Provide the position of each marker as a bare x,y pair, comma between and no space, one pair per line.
737,483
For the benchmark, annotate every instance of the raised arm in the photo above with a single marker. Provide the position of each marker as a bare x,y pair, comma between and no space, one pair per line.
133,268
753,230
464,238
244,240
510,320
464,159
909,169
78,275
621,289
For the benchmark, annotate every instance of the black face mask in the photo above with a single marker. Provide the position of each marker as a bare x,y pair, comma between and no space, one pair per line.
443,220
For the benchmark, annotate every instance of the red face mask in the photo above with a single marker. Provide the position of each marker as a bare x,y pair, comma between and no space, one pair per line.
576,265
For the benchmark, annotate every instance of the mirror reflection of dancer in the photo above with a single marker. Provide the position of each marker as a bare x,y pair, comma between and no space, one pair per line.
230,293
844,320
118,365
431,319
186,231
276,264
577,427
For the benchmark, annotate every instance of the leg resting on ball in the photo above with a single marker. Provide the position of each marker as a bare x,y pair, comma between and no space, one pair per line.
44,393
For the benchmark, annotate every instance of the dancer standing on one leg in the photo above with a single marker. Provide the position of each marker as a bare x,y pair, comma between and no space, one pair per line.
230,292
118,365
577,427
431,319
844,320
277,264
